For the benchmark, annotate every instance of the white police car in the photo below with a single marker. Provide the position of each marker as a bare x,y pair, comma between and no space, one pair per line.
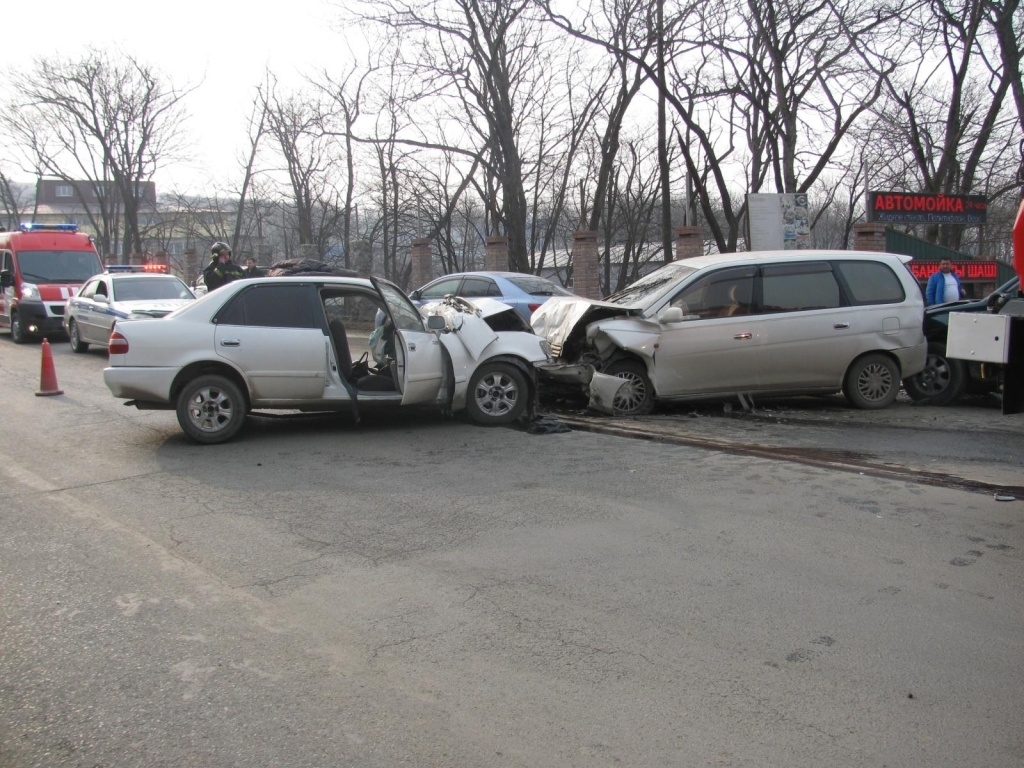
120,293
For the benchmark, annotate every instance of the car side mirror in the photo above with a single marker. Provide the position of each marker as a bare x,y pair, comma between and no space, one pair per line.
996,301
101,298
671,315
415,295
437,323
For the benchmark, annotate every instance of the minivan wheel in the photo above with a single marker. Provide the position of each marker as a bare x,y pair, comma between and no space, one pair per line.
873,381
211,409
17,332
75,337
636,396
941,381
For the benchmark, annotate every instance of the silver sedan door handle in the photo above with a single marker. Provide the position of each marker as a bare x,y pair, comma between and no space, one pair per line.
230,343
841,326
742,336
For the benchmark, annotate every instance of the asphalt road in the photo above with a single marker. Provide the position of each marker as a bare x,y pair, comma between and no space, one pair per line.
418,591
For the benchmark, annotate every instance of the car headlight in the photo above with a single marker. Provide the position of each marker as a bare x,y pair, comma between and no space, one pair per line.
29,291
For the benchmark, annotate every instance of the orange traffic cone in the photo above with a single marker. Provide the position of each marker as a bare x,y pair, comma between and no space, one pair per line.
48,376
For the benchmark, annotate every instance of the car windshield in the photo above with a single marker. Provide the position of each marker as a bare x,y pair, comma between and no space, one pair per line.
652,286
150,289
58,266
537,286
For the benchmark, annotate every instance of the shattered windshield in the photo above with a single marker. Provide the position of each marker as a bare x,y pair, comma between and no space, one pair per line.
58,266
649,287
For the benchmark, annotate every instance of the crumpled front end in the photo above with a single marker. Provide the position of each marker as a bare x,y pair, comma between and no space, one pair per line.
585,336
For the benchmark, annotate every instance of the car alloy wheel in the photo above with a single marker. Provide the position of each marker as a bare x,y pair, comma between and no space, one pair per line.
75,337
211,409
498,394
636,396
941,381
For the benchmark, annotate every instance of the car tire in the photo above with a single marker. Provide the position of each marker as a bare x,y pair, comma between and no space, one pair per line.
941,381
211,409
636,396
17,332
75,337
498,394
872,382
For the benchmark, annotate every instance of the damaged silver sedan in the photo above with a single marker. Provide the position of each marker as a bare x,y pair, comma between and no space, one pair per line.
740,325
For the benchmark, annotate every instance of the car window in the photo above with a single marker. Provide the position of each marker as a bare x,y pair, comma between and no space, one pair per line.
441,288
537,286
150,289
89,289
273,306
870,282
102,289
797,287
479,286
403,312
724,293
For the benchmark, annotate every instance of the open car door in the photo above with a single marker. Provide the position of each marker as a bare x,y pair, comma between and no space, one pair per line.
418,353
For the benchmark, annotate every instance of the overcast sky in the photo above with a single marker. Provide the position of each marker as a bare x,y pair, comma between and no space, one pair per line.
221,47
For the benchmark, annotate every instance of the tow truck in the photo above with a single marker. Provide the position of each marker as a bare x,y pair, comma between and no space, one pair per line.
995,339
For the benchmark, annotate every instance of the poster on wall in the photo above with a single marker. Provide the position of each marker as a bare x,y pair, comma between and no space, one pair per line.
778,222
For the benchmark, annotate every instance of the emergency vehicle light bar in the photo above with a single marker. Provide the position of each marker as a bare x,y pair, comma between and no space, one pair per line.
35,226
161,268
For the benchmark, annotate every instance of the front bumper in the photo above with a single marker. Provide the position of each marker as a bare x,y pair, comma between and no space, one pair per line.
599,388
41,317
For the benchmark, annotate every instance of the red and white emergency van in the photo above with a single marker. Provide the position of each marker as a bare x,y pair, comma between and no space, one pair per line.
41,267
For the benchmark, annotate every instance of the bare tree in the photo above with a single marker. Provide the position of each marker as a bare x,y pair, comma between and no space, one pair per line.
113,116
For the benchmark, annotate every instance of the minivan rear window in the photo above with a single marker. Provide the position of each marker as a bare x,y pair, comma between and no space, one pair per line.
870,282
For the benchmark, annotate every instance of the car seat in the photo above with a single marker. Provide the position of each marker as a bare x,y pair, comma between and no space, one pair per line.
368,382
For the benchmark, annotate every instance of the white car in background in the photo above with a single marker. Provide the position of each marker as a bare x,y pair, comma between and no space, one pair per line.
301,343
121,293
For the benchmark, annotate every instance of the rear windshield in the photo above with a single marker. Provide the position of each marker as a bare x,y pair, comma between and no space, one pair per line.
58,266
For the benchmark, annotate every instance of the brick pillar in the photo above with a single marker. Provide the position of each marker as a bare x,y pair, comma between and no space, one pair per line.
586,275
192,265
689,242
869,236
420,255
496,254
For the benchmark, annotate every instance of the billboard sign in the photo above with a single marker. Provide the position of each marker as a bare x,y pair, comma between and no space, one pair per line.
920,208
778,222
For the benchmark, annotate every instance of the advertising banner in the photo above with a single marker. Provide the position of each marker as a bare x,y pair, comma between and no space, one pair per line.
920,208
778,222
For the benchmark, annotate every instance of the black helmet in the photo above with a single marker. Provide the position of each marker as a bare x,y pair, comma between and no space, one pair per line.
218,248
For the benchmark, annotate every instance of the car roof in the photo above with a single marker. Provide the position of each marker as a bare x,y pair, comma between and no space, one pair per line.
715,259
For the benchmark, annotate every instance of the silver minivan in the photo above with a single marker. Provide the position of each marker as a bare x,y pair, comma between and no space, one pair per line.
742,324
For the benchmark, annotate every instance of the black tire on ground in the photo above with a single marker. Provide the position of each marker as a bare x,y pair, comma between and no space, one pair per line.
17,332
498,394
211,409
77,345
636,396
941,381
872,382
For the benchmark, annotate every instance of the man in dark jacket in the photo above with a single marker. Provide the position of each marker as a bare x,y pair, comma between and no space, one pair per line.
251,270
221,269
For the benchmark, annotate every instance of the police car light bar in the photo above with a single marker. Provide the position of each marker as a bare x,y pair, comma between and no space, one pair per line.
160,268
35,226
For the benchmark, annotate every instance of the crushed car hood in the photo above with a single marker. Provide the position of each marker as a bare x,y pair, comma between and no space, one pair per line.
557,318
